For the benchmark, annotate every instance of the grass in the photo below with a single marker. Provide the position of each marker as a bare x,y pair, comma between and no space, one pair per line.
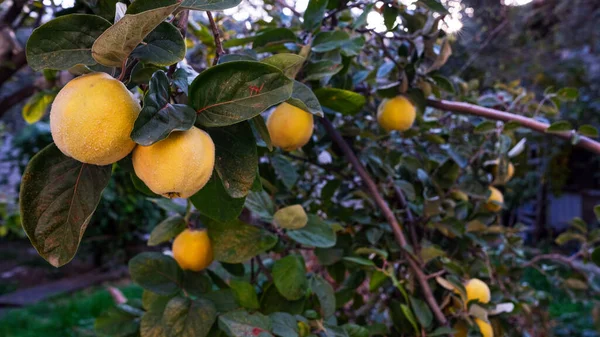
64,316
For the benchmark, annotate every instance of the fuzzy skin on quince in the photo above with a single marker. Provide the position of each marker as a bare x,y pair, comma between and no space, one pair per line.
92,117
397,113
192,250
290,127
178,166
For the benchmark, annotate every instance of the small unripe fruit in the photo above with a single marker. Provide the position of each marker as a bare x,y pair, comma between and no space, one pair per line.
192,250
425,88
485,328
397,113
477,290
459,195
495,201
290,127
178,166
508,174
92,117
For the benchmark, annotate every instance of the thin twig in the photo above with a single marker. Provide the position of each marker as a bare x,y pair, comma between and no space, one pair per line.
566,260
471,109
182,24
217,36
264,269
286,5
389,215
482,46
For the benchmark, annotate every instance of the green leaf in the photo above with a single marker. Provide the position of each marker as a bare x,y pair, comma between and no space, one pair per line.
390,15
223,299
289,276
560,126
359,261
410,317
214,201
330,40
259,125
236,158
57,198
116,322
271,301
596,256
316,233
37,106
210,5
236,91
261,205
285,171
244,324
65,42
435,6
313,16
146,5
159,117
196,283
321,69
442,331
162,47
422,311
569,236
305,99
430,252
325,294
181,78
588,130
156,272
343,101
289,63
485,127
189,318
237,242
567,94
291,217
274,37
284,324
166,230
444,83
362,19
597,212
142,73
245,294
117,42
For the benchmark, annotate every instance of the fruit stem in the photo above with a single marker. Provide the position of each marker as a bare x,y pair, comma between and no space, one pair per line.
188,214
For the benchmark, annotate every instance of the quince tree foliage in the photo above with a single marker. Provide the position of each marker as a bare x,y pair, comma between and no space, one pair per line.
373,220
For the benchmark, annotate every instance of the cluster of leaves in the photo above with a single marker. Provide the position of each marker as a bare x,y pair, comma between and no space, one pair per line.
312,254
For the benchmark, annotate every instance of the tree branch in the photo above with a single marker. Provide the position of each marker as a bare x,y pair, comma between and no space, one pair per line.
17,62
15,98
566,260
471,109
182,24
389,215
217,36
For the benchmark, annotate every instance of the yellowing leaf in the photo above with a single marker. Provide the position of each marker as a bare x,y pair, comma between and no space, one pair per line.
36,106
291,217
117,42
